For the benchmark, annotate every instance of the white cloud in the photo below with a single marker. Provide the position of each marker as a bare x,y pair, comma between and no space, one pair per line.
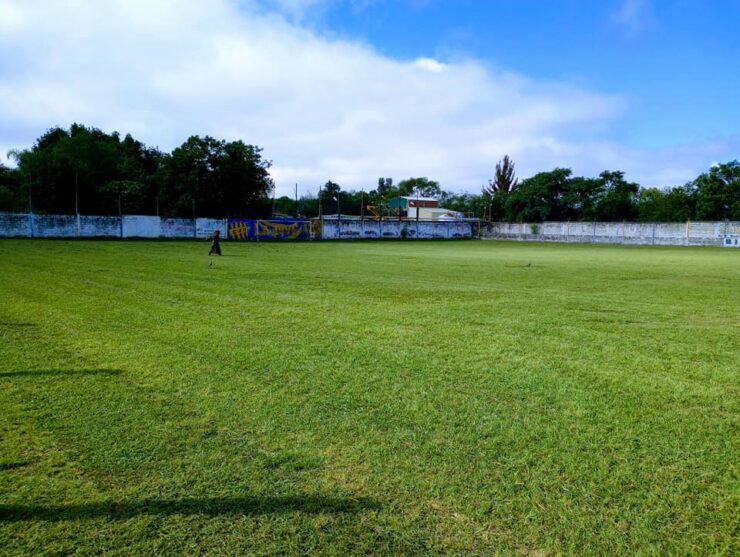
431,64
633,15
321,108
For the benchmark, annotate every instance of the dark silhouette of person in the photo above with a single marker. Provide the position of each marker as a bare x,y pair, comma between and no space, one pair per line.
215,243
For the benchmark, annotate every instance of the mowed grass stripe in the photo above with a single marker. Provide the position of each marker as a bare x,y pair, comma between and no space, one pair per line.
369,397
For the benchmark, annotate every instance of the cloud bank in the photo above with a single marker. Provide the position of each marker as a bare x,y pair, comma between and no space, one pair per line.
322,108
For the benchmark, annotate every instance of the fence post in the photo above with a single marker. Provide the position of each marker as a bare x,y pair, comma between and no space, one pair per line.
30,223
653,240
688,232
593,234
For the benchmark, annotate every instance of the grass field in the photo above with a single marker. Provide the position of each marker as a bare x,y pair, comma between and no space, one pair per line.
368,398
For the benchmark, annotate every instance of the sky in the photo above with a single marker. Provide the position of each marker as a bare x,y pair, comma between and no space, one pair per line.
351,90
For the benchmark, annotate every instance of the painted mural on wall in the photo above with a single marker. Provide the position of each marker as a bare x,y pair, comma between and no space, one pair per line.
252,229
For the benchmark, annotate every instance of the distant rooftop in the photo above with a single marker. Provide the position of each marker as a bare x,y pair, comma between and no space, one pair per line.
412,198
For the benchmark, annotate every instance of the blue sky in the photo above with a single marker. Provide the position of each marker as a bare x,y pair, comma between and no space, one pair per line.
351,90
674,61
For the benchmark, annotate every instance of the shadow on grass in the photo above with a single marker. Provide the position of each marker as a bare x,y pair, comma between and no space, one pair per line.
311,504
6,466
58,372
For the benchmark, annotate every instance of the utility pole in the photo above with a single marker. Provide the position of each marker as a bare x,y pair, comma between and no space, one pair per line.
417,213
296,201
77,203
30,202
321,218
30,199
120,216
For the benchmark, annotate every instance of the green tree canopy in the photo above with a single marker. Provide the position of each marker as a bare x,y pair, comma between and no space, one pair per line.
616,199
421,187
74,169
718,192
214,178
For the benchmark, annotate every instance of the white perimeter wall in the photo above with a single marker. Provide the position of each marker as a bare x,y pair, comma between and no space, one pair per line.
141,226
669,233
130,226
357,229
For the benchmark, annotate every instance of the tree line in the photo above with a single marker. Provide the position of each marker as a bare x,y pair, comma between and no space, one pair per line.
85,170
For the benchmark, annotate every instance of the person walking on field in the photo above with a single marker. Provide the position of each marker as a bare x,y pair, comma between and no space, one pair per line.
215,244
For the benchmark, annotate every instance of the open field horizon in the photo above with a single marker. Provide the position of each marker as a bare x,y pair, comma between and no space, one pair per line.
368,398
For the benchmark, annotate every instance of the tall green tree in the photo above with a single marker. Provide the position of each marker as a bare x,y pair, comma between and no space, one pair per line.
212,178
331,198
718,192
75,169
500,186
673,205
470,204
10,197
385,188
539,197
421,187
504,179
617,199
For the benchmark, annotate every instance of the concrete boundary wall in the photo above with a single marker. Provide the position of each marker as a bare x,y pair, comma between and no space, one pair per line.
27,225
656,234
377,229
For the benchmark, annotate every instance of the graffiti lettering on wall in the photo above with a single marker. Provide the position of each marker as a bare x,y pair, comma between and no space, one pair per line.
238,229
250,229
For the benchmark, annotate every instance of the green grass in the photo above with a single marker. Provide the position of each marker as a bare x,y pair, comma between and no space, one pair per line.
368,398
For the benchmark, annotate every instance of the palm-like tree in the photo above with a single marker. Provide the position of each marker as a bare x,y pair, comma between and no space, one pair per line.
502,184
504,181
